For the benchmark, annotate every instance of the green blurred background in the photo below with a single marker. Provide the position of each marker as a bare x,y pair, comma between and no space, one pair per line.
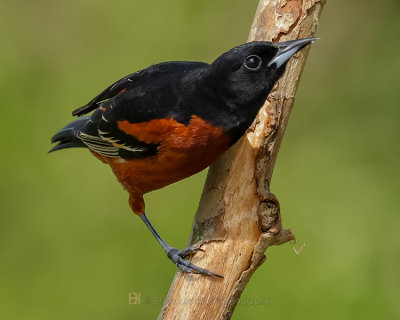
70,248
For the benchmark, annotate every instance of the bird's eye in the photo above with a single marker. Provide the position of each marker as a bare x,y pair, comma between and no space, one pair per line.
253,62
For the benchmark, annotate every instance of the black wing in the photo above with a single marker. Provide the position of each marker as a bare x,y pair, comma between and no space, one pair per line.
117,87
154,93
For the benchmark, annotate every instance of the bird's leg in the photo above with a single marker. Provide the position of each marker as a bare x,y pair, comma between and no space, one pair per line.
178,256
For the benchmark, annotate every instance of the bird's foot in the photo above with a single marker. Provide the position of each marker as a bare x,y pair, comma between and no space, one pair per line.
178,257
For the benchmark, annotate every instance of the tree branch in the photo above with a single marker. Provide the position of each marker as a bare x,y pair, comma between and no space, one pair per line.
238,218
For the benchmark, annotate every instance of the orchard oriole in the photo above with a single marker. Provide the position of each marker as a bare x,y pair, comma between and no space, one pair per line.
173,119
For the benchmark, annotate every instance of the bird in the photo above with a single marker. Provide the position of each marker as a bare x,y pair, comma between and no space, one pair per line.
171,120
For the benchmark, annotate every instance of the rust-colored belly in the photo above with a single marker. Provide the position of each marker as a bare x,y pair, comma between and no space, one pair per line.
183,151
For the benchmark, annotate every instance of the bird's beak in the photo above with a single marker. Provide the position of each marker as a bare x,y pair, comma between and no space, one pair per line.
287,49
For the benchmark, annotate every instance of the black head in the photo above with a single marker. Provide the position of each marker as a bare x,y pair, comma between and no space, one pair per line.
249,71
243,77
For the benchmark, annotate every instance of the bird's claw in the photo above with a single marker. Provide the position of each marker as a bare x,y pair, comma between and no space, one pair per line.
188,251
178,257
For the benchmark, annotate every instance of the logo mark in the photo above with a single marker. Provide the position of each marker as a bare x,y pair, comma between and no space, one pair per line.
134,297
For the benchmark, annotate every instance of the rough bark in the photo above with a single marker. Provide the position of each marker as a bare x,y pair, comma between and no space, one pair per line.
238,218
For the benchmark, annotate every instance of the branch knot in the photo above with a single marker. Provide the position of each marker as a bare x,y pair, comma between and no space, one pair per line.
269,217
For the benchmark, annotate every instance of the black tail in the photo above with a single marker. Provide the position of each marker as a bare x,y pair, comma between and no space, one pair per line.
67,137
